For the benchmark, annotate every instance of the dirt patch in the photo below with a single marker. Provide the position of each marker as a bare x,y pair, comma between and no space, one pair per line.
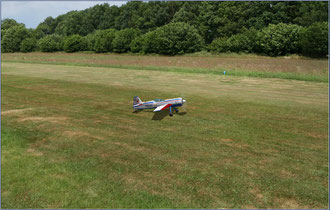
257,193
227,140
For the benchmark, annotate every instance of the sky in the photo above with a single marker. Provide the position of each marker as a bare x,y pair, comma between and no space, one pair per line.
31,13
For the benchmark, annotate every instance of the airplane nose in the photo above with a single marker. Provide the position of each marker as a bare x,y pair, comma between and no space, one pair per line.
183,101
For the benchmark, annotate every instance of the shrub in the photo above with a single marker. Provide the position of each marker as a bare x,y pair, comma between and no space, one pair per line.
149,42
280,39
123,38
220,45
51,43
137,44
74,43
314,40
13,38
89,41
103,40
28,45
172,39
244,42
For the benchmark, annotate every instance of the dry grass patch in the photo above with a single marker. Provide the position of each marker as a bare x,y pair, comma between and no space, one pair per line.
287,203
44,119
33,152
135,148
80,133
15,111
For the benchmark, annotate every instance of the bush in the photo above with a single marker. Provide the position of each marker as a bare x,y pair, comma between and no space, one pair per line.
103,40
173,39
51,43
123,38
314,40
137,44
74,43
149,42
280,39
89,41
28,45
13,38
244,42
220,45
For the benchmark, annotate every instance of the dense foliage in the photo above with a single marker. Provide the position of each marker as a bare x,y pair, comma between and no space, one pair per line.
315,40
263,27
51,43
74,43
28,45
103,40
13,38
244,42
280,39
123,38
173,39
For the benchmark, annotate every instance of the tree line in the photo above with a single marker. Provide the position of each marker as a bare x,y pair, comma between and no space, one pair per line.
172,28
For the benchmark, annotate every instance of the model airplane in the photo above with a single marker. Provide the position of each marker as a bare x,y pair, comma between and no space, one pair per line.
158,104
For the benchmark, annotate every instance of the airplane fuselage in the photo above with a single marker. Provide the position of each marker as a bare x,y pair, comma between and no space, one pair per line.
174,102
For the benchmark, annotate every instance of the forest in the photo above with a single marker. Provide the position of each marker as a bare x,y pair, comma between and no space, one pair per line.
174,28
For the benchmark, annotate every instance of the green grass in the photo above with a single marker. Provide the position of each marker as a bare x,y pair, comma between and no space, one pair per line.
232,72
70,140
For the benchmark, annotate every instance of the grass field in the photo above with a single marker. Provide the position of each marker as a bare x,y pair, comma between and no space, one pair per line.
237,65
70,139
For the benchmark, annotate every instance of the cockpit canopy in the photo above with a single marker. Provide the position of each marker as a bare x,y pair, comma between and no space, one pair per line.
158,100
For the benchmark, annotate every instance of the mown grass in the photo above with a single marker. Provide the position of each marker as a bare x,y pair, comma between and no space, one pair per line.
70,140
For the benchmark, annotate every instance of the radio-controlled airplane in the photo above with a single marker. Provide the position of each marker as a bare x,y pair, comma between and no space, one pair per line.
158,104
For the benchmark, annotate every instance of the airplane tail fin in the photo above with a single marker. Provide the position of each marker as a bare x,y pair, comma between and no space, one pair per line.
136,100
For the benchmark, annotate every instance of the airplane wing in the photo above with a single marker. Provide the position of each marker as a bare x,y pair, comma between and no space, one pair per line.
160,108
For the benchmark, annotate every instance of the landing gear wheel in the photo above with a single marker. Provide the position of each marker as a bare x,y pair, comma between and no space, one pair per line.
171,115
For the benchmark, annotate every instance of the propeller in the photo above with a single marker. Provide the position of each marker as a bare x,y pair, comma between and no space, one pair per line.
184,105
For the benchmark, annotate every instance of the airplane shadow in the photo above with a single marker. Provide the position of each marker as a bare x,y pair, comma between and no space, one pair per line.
161,115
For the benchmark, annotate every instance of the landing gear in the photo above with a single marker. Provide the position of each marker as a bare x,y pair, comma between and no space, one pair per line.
176,110
171,114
